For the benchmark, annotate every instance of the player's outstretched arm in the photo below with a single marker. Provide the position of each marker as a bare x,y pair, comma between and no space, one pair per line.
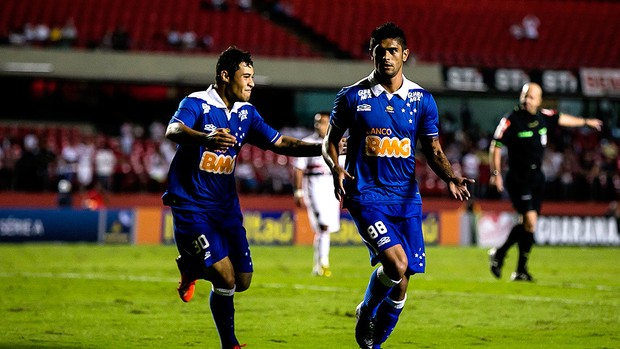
218,139
439,163
291,146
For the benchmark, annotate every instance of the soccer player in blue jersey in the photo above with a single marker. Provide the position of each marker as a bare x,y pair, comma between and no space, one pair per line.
386,114
210,128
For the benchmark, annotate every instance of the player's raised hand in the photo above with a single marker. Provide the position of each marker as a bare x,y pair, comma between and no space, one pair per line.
220,139
458,188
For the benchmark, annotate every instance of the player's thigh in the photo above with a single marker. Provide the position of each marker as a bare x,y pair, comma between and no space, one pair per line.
199,239
384,228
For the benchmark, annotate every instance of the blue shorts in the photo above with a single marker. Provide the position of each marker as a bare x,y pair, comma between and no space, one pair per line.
208,236
382,227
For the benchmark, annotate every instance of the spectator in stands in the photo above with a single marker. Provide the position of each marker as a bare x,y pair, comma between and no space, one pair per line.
41,35
56,36
29,33
157,131
244,5
527,29
69,156
69,33
127,137
524,133
530,27
120,39
173,37
189,40
16,37
207,42
94,198
32,169
85,162
65,194
217,5
156,167
245,173
470,162
105,162
551,165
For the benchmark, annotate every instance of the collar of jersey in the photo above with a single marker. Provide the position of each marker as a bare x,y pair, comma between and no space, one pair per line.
213,99
402,92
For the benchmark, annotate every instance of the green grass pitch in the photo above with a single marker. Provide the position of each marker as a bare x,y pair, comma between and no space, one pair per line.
96,296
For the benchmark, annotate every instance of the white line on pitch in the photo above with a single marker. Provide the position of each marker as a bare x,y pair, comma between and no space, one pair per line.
139,278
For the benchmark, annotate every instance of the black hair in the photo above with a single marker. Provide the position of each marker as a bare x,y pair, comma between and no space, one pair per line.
387,30
230,60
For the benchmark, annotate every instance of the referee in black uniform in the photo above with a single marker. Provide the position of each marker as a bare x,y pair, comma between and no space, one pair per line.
524,133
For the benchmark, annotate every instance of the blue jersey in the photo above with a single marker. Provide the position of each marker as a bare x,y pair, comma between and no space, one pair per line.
383,130
199,177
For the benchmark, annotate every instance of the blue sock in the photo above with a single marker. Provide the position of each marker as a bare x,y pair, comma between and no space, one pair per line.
387,317
378,289
223,311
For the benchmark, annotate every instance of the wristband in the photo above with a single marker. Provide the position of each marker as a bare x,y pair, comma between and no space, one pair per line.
299,193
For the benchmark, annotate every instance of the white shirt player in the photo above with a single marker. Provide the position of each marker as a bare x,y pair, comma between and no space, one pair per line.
318,188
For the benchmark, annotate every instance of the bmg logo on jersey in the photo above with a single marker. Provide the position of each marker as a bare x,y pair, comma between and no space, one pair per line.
219,164
391,147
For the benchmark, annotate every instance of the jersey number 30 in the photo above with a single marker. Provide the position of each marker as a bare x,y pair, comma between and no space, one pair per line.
201,243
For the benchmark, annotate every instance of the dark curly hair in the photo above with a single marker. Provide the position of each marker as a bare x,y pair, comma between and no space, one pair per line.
229,61
388,30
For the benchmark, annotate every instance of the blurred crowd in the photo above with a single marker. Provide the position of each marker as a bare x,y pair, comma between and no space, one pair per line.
579,163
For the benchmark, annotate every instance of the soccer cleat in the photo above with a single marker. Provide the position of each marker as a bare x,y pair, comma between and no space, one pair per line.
364,329
186,285
239,346
495,263
521,276
322,271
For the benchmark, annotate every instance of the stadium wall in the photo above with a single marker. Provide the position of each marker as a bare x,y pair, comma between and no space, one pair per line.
274,220
149,67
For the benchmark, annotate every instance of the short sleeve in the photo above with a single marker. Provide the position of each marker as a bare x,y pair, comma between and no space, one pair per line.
189,110
341,113
429,122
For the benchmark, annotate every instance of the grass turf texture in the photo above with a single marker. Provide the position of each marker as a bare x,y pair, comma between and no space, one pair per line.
93,296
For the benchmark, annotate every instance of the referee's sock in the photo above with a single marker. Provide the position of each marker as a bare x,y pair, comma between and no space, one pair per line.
525,246
387,317
223,311
513,238
378,289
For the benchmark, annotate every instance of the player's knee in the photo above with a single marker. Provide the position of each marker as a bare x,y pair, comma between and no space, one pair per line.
242,286
396,269
243,281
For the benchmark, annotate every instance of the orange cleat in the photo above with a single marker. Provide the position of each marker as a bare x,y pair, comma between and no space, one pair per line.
186,285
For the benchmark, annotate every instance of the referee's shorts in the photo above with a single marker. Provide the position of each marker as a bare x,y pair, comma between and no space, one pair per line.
526,190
